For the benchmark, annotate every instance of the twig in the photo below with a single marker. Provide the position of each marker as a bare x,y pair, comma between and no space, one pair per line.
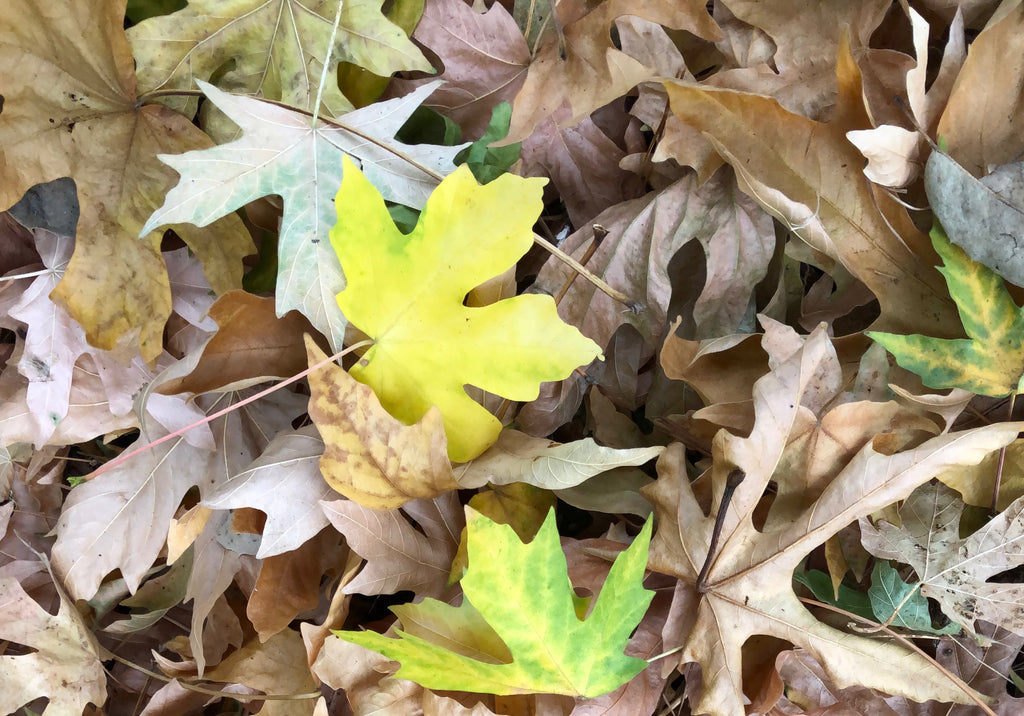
633,306
599,233
123,457
731,483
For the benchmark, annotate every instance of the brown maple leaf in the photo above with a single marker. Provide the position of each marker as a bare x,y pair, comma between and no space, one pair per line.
745,588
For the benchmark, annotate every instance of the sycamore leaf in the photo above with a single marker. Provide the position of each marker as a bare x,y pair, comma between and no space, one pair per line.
73,110
277,49
809,176
285,153
484,56
398,555
889,593
518,457
284,483
369,456
119,519
64,664
522,592
428,345
581,66
749,583
991,360
954,571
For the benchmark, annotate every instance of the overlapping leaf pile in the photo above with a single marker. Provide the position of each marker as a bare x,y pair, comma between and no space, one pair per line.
222,195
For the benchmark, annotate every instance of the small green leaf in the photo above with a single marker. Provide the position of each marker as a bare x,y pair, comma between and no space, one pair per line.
888,592
488,163
849,599
518,597
989,362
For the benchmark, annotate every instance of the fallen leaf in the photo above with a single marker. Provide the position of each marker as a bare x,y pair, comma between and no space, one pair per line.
369,456
809,176
399,556
749,588
981,216
284,482
984,125
119,520
484,56
73,110
539,620
517,457
991,360
250,342
64,664
277,666
278,50
736,238
587,71
286,153
951,570
428,345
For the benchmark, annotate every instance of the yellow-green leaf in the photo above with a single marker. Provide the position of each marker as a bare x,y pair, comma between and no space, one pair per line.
407,293
989,362
521,594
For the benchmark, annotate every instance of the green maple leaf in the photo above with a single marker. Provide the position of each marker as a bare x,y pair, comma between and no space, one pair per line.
989,362
519,596
407,293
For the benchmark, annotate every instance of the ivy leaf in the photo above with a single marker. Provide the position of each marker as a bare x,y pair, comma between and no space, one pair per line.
989,362
407,293
522,592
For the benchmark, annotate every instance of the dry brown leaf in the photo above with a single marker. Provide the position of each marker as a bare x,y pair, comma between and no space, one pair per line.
399,556
64,664
251,342
71,110
983,123
277,666
369,456
809,176
748,589
956,572
591,72
485,60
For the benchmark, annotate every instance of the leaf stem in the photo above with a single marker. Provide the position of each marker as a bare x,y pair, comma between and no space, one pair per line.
123,457
736,476
633,306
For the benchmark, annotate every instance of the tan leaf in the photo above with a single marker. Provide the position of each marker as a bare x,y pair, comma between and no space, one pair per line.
251,341
369,456
277,666
809,176
748,584
953,571
983,123
591,72
399,556
64,664
72,110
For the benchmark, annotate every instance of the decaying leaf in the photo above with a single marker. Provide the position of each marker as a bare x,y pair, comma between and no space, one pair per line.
746,588
369,456
407,293
981,216
519,604
73,110
65,663
951,570
277,49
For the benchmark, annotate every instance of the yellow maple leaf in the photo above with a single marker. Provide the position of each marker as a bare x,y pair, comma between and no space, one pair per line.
407,293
